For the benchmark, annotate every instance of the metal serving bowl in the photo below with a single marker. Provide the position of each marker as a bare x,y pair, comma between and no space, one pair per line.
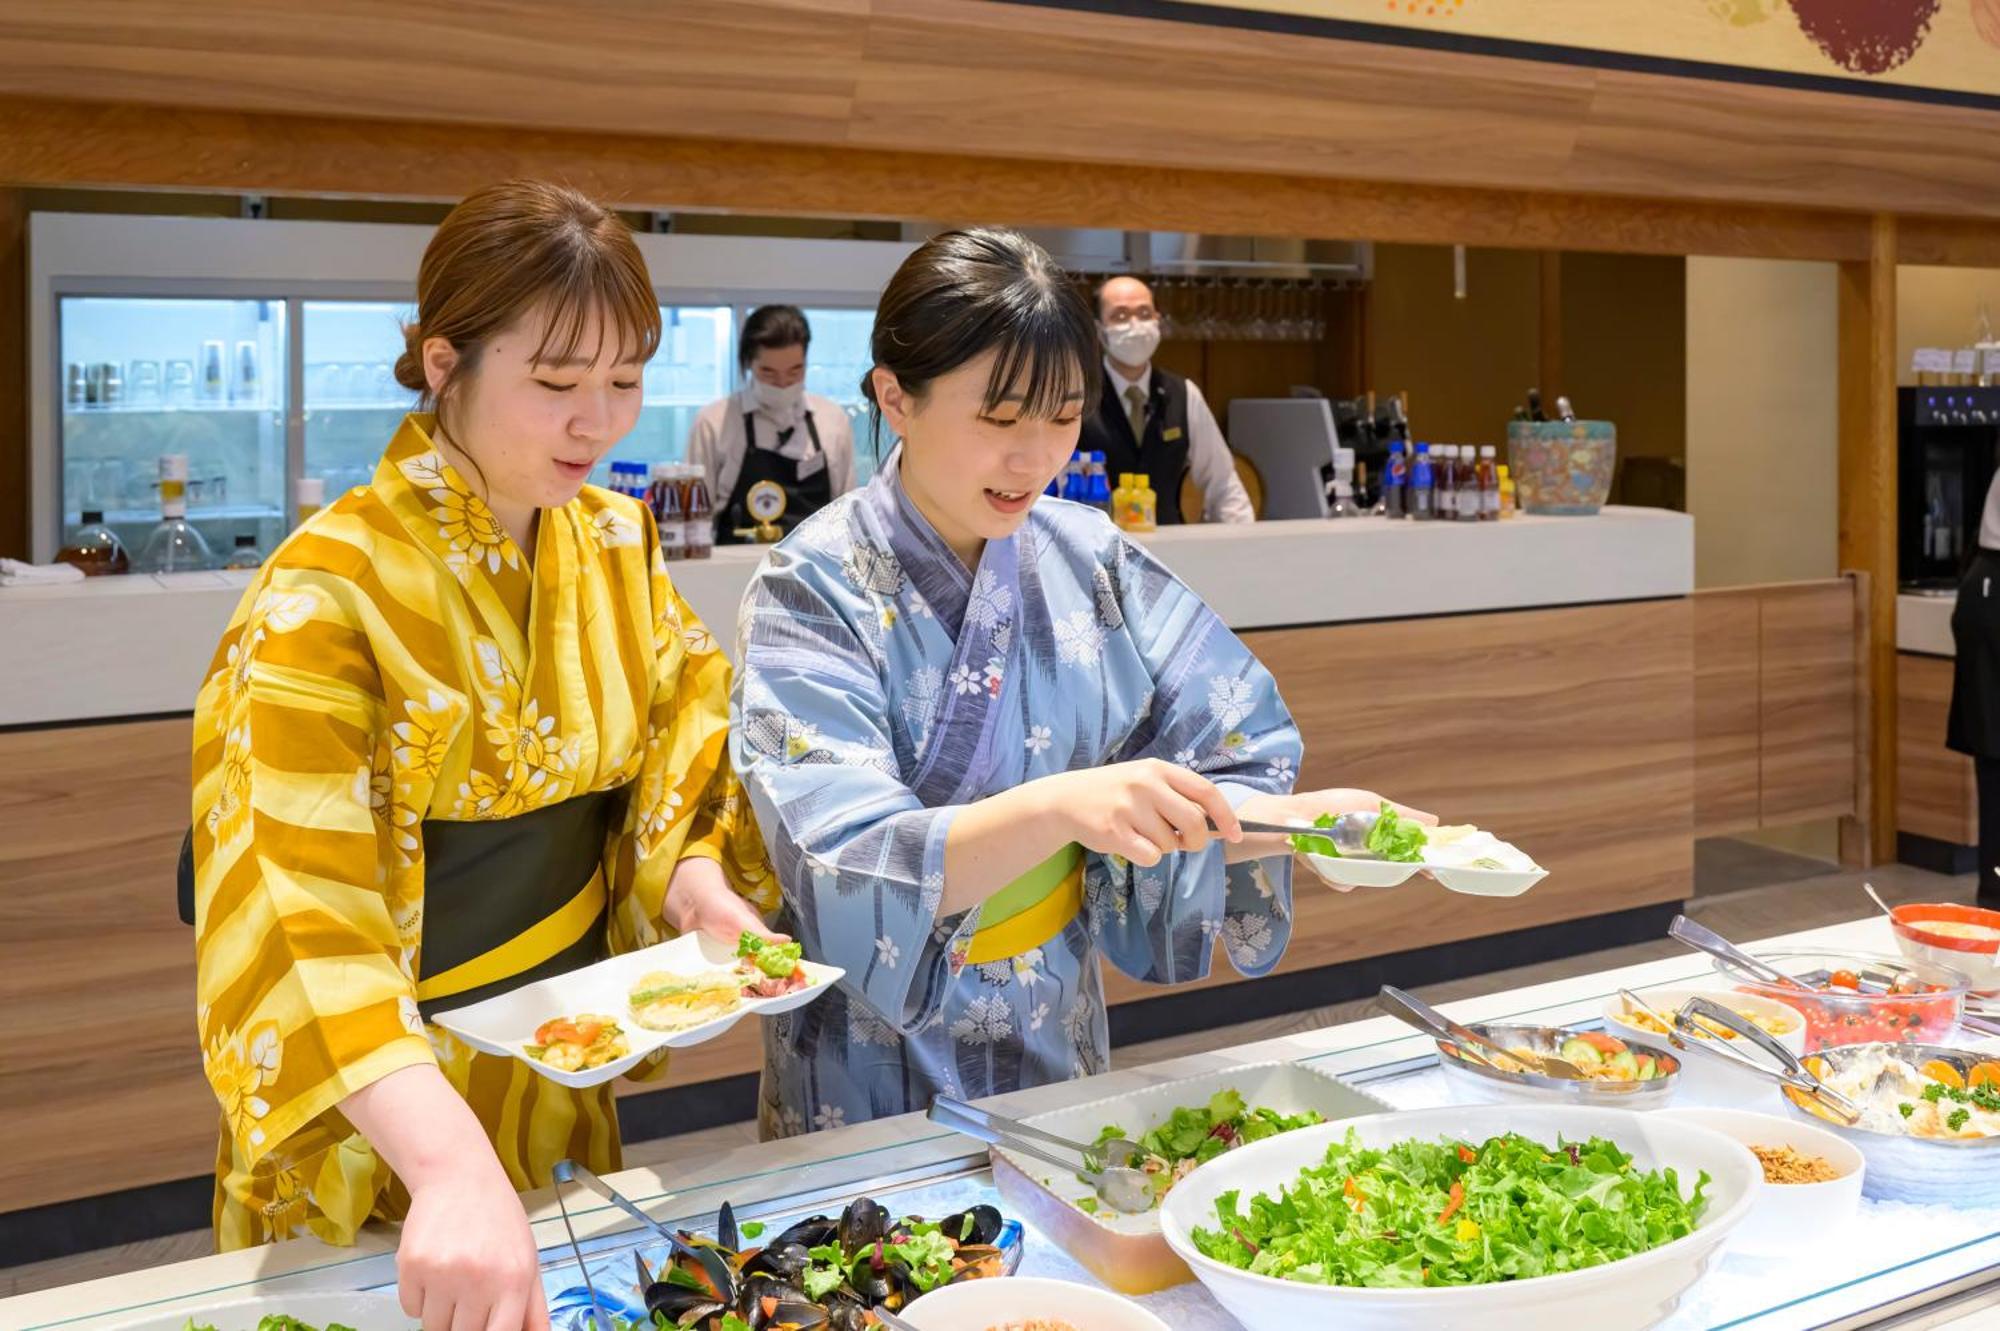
1475,1082
1920,1170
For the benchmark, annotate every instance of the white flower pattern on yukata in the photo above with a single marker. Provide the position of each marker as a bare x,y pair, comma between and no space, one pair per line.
887,952
991,603
987,1020
963,680
1245,936
1038,740
1230,698
828,1117
1280,769
1079,639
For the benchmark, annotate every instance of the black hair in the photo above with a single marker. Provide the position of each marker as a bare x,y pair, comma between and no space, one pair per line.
769,328
964,293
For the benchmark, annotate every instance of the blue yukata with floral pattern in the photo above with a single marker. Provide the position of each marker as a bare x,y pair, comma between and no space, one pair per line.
882,688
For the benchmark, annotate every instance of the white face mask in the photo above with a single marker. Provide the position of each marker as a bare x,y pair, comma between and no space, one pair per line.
1133,343
779,403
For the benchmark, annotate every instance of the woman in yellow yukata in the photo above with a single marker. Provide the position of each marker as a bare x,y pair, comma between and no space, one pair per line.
461,733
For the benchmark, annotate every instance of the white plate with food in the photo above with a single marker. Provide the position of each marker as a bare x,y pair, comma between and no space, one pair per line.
378,1311
601,1021
1460,1202
1385,850
1027,1303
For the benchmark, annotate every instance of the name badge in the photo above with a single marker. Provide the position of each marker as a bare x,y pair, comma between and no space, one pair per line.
1171,433
811,464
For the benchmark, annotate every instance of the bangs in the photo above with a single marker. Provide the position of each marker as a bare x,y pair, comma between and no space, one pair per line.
1043,354
584,286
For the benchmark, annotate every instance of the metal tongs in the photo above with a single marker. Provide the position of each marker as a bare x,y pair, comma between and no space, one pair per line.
1349,832
1413,1011
712,1263
1688,1033
1107,1168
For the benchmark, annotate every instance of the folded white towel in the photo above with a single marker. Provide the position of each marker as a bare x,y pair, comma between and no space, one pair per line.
14,573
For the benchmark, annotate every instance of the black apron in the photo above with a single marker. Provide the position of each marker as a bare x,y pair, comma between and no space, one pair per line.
489,884
1974,727
804,495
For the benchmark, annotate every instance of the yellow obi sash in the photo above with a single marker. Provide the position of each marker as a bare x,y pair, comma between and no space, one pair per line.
1031,910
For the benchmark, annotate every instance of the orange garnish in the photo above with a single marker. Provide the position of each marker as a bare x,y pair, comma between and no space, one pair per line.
1983,1074
1939,1070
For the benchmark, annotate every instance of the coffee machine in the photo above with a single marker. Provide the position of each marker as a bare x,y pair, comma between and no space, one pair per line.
1948,444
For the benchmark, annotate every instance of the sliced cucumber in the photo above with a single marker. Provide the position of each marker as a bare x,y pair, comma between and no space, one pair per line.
1580,1052
1626,1064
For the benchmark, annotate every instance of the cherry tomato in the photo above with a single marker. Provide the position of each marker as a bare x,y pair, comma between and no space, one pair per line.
1843,980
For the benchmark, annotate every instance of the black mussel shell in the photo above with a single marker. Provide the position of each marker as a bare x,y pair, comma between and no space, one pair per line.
816,1232
865,1221
725,1228
884,1284
844,1314
784,1260
979,1224
800,1314
679,1304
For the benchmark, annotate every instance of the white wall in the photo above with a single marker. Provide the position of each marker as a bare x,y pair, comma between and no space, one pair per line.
1762,420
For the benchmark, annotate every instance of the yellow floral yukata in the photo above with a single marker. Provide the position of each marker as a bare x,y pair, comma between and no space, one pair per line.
399,660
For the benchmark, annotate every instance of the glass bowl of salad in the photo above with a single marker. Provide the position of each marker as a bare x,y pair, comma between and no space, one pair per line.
1862,997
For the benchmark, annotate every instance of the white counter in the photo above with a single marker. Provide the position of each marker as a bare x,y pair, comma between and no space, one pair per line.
136,646
1923,624
1740,1293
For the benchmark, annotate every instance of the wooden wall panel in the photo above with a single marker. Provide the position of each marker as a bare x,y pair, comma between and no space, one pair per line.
1806,703
1936,796
1726,765
959,76
97,1031
13,374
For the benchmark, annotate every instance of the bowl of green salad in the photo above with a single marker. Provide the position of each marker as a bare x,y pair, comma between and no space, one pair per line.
324,1310
1493,1217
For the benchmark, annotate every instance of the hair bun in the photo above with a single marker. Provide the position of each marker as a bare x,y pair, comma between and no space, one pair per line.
410,365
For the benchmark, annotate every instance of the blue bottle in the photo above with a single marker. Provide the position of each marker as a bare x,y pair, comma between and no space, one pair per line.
1100,484
1423,490
1073,486
1395,482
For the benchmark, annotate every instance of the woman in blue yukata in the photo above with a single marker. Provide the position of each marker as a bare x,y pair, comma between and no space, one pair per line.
990,739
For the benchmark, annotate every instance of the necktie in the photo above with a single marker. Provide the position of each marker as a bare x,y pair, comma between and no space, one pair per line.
1135,411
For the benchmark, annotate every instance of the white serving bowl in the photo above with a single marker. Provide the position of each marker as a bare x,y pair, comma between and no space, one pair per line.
1618,1296
379,1311
975,1305
1789,1218
1707,1079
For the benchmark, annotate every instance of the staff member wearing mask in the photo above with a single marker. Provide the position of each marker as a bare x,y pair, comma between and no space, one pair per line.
1154,421
1974,727
771,429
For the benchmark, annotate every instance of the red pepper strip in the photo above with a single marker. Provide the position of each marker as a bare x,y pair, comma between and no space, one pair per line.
1457,1200
1468,1155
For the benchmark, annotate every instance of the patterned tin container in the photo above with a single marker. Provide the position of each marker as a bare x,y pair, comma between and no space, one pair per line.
1562,467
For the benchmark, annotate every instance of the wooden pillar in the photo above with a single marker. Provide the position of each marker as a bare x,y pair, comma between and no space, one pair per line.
1868,524
1549,356
13,373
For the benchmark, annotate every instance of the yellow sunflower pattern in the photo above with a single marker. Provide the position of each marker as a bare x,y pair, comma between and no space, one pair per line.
397,662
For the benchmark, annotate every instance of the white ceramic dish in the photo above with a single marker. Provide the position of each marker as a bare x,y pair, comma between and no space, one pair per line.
379,1311
506,1025
1450,863
1789,1218
1625,1295
1709,1079
977,1305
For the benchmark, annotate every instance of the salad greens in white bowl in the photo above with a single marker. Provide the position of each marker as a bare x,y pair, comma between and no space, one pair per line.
1443,1219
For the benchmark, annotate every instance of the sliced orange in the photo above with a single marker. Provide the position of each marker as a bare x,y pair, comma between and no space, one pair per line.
1809,1104
1815,1065
1983,1074
1939,1070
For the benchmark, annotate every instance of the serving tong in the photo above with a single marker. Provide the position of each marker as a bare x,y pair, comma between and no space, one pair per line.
1415,1012
1685,1031
1107,1168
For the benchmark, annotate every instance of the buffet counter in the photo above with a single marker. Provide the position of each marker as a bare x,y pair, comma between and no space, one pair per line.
1894,1261
140,645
